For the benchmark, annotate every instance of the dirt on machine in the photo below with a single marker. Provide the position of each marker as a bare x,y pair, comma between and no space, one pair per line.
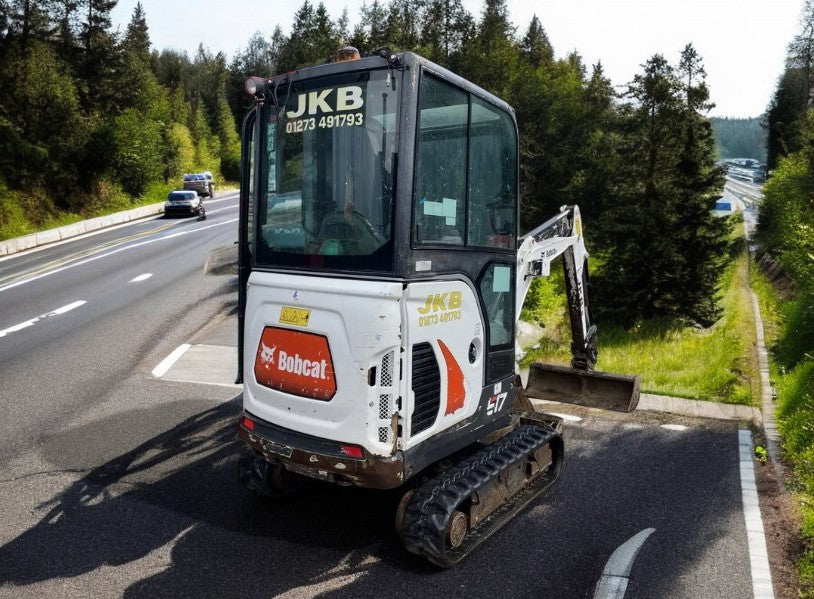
381,279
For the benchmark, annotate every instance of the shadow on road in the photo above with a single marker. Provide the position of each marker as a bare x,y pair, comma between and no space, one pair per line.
175,503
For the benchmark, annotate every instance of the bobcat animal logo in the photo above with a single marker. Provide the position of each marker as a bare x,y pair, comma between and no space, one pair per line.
267,354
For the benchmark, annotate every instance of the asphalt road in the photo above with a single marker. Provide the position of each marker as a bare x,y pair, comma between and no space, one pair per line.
115,483
65,362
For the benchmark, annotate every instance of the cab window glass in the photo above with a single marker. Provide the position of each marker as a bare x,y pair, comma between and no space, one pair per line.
496,288
491,211
440,186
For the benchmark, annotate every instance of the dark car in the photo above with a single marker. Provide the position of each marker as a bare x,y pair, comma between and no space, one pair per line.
201,183
186,203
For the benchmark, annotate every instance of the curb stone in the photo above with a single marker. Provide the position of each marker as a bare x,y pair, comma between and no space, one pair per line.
33,240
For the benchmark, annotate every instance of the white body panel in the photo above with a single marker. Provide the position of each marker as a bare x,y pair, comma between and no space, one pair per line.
432,314
361,320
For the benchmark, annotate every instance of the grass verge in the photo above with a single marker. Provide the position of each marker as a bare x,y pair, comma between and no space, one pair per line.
795,412
715,364
23,214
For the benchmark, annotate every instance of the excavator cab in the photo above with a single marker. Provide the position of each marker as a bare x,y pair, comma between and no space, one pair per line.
381,276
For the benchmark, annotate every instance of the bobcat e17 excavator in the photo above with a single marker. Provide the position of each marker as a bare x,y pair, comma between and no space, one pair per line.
381,279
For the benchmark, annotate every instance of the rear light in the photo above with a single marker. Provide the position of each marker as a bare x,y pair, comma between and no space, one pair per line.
248,424
353,451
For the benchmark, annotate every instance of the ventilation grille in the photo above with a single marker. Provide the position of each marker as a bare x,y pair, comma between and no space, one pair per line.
387,370
386,407
426,388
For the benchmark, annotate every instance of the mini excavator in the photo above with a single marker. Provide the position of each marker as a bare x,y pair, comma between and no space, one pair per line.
381,276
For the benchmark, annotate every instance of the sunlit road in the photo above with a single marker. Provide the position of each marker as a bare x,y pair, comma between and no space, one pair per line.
747,197
117,483
78,317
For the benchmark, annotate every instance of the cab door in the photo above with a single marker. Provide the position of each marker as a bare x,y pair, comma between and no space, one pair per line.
246,216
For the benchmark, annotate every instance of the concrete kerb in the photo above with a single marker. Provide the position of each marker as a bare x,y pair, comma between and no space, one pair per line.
694,408
698,408
27,242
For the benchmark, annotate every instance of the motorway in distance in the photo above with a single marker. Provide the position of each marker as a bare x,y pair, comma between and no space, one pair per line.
118,479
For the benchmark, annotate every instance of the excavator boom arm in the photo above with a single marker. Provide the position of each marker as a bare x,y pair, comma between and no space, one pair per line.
561,236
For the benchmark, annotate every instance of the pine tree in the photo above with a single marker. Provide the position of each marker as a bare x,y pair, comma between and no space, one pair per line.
67,27
100,58
445,26
535,47
325,36
28,21
137,38
785,114
374,23
403,25
598,155
313,38
493,45
700,181
664,249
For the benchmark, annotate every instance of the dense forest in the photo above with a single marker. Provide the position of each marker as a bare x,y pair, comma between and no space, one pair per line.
89,118
740,138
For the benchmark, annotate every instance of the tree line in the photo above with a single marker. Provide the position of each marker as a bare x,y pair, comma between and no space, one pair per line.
786,217
640,162
740,138
89,117
79,107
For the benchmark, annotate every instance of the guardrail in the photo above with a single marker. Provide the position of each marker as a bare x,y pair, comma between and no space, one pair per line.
27,242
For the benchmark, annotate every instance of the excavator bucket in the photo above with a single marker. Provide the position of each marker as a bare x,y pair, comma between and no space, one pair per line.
592,389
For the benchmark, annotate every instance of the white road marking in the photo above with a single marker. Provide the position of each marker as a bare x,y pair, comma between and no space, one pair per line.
209,212
229,196
167,362
758,555
33,321
613,583
115,251
674,427
141,278
567,417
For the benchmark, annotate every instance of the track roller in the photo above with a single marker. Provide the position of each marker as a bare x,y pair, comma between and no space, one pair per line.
445,518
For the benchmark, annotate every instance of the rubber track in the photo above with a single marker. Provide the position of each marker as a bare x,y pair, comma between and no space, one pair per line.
426,517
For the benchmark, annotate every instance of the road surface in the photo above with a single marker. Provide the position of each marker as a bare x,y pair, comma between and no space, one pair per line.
118,482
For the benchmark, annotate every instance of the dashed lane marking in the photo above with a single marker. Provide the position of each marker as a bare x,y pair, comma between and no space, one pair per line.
616,574
674,427
167,362
41,317
116,251
141,278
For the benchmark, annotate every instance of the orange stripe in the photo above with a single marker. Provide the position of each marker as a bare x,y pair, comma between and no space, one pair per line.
455,381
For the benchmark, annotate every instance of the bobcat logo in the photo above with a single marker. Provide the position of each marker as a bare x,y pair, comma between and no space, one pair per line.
267,354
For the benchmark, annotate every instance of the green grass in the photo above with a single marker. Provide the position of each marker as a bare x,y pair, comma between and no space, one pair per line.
795,414
714,364
31,212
